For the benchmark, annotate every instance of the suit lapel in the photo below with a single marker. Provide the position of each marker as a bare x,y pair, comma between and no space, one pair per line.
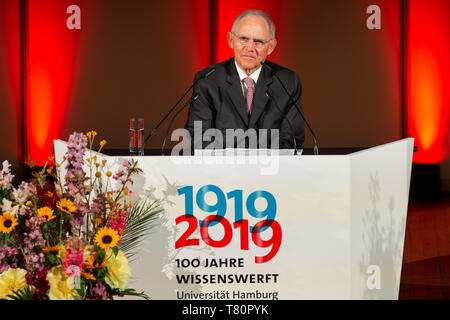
234,91
260,98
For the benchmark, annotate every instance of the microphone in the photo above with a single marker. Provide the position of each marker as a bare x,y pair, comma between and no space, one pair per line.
292,102
194,97
176,104
269,95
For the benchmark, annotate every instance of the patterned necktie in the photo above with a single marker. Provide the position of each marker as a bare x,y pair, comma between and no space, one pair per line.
249,98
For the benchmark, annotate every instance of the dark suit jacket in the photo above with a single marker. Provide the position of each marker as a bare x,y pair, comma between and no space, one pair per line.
221,105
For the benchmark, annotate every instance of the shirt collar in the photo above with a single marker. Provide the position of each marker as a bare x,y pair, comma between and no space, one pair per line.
243,75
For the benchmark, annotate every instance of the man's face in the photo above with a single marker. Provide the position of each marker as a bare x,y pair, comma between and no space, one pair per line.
251,43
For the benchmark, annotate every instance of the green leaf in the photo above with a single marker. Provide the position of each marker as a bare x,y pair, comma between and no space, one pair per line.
22,294
130,292
139,223
100,255
45,231
81,290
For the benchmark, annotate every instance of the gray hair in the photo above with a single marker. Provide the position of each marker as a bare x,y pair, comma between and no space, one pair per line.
259,13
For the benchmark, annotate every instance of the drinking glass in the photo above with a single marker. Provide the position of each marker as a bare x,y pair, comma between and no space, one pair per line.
137,136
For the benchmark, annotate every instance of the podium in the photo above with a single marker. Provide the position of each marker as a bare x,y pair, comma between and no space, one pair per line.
336,224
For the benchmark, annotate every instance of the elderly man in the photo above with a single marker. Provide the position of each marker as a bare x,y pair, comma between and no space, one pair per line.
245,95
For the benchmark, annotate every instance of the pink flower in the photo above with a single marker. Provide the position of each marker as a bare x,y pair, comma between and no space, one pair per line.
126,164
7,257
99,291
72,189
24,192
73,262
118,220
76,147
98,205
119,174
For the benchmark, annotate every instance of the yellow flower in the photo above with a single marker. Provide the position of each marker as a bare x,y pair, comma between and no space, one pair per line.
107,237
61,286
98,174
45,212
102,143
66,206
118,269
87,275
29,203
91,262
48,249
12,280
88,249
60,251
98,221
91,134
7,222
109,173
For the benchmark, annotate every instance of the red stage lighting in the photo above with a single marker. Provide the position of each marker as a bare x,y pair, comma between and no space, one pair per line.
427,78
50,69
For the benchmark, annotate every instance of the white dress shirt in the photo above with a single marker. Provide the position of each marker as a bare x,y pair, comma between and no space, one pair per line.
243,75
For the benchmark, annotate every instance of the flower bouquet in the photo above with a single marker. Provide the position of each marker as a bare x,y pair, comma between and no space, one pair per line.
70,237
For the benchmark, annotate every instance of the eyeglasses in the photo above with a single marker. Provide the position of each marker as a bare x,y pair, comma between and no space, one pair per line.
243,40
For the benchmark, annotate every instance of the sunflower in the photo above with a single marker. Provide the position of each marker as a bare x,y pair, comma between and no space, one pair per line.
7,222
91,262
66,206
87,275
45,212
107,237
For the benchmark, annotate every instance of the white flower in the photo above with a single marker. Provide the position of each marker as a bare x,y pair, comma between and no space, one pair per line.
24,192
6,167
6,205
5,176
78,198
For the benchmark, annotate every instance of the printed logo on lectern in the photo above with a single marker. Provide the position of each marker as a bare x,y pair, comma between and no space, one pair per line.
241,225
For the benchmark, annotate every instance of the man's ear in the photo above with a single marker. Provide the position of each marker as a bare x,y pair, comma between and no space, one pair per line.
230,39
272,46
